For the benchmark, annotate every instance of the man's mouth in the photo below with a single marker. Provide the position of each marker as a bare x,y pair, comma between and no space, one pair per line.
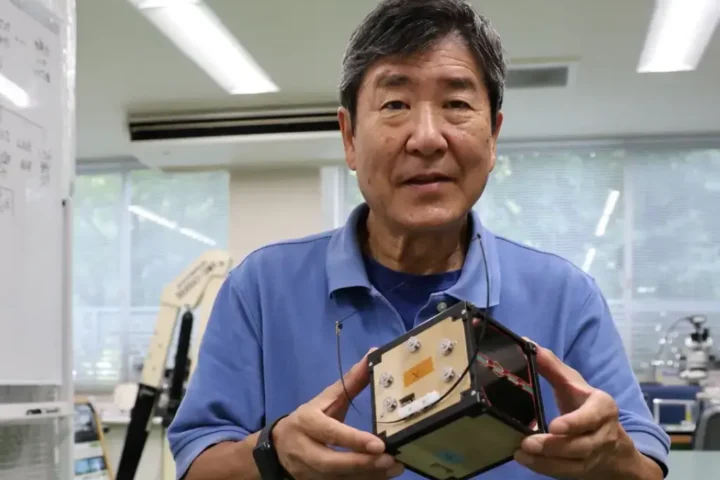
427,179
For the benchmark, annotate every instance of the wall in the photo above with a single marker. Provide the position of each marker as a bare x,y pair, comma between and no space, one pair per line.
273,204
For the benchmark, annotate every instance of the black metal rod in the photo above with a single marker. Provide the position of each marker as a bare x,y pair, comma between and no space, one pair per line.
180,368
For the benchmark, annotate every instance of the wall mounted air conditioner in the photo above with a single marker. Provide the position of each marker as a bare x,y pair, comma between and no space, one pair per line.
233,124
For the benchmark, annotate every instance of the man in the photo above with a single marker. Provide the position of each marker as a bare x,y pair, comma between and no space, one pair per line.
421,98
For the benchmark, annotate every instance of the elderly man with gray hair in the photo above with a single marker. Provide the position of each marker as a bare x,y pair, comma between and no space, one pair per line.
421,94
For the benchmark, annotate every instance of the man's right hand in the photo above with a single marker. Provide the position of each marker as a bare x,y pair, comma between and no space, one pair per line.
305,439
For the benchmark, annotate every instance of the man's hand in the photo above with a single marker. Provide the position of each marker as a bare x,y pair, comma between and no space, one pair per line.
587,440
304,439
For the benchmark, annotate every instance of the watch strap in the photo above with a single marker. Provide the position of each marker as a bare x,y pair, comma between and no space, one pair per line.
266,457
266,433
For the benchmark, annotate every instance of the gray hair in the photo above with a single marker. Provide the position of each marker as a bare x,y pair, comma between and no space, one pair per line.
407,27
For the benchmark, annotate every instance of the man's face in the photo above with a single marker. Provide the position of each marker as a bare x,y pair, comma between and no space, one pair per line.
423,144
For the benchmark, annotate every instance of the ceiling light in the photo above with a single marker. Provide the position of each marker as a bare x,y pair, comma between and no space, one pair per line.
608,210
142,4
153,217
679,32
201,36
13,92
169,224
589,257
198,236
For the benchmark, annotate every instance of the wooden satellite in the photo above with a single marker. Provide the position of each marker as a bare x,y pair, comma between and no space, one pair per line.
455,396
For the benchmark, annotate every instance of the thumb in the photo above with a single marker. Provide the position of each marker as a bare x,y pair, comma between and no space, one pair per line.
352,383
570,387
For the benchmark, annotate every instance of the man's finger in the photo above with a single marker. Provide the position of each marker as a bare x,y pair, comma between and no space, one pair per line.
326,430
383,473
323,461
561,446
554,370
569,386
598,409
552,467
330,462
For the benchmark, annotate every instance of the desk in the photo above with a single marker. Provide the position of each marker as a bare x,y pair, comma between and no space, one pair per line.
110,420
680,439
693,465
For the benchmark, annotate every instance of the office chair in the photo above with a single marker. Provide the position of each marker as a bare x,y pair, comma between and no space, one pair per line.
707,433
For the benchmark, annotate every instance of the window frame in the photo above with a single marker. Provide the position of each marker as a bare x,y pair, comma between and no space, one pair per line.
123,169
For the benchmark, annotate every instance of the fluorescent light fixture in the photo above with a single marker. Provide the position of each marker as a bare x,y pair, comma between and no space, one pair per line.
143,4
13,92
200,35
148,215
198,236
514,208
589,257
162,221
610,204
679,32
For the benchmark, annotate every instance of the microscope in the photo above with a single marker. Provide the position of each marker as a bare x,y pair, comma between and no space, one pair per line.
697,357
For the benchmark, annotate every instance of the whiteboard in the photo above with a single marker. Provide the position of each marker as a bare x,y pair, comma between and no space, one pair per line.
34,157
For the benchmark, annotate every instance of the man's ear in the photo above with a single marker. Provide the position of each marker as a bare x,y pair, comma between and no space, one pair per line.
495,134
348,136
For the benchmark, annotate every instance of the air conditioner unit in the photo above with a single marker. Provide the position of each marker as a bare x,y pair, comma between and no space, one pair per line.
233,124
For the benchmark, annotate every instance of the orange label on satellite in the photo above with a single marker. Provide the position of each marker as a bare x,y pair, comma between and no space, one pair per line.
417,372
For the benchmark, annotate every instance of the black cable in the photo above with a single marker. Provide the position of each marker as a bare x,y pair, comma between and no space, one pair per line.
338,327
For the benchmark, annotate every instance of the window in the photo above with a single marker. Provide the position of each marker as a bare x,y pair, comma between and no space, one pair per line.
134,232
642,220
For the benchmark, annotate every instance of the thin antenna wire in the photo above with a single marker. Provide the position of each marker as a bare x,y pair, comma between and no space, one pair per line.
338,327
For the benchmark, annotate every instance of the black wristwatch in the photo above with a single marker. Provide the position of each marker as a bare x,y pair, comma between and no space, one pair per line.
266,457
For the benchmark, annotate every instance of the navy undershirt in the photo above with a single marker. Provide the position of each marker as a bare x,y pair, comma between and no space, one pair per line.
408,293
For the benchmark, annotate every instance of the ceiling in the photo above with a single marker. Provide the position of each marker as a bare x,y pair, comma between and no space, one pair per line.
125,66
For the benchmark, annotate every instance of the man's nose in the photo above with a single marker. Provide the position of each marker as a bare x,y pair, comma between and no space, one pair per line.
427,138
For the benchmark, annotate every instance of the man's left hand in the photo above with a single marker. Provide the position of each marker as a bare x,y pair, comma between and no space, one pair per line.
587,440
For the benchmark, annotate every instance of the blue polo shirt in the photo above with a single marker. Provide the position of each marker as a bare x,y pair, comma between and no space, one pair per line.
270,344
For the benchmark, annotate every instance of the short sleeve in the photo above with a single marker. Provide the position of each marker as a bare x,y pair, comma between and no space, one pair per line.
597,352
224,400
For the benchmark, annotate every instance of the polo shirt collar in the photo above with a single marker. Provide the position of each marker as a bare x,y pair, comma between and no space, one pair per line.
345,267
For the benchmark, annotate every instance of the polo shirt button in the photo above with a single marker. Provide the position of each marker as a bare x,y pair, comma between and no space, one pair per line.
441,306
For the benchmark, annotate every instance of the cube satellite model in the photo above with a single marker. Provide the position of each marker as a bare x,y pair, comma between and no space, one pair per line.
455,396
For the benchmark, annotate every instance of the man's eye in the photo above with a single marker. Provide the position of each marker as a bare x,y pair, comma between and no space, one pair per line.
394,105
457,104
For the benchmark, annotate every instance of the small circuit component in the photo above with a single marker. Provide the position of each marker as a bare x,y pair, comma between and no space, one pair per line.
390,404
414,406
413,344
448,374
446,346
386,379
